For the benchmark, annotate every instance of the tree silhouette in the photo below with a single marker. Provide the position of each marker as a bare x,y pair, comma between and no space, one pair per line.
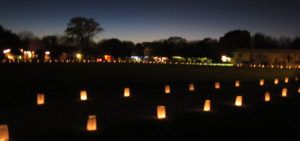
82,30
262,41
26,35
112,47
203,48
138,50
126,49
173,46
296,43
9,40
235,39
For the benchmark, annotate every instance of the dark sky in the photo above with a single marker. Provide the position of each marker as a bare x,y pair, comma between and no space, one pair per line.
147,20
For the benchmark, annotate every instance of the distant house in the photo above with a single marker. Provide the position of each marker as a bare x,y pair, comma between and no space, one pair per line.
267,56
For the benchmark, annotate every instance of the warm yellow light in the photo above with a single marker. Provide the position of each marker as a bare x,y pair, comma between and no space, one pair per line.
4,134
28,54
286,80
298,90
161,112
191,87
83,95
91,123
224,58
126,92
296,78
78,56
267,96
276,81
284,92
107,58
206,105
261,82
40,99
217,85
10,56
237,83
167,89
238,101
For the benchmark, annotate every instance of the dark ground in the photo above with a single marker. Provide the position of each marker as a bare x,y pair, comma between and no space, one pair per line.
64,117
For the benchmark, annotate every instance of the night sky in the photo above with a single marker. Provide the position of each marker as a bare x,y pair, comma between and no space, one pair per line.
147,20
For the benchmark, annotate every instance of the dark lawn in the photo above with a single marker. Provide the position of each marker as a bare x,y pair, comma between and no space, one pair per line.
64,117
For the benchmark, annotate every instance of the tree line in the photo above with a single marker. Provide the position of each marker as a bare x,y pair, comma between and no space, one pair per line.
80,33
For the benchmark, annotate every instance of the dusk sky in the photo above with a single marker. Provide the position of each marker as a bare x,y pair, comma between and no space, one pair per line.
147,20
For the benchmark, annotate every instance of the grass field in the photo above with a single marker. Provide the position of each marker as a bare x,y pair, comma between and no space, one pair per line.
64,116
